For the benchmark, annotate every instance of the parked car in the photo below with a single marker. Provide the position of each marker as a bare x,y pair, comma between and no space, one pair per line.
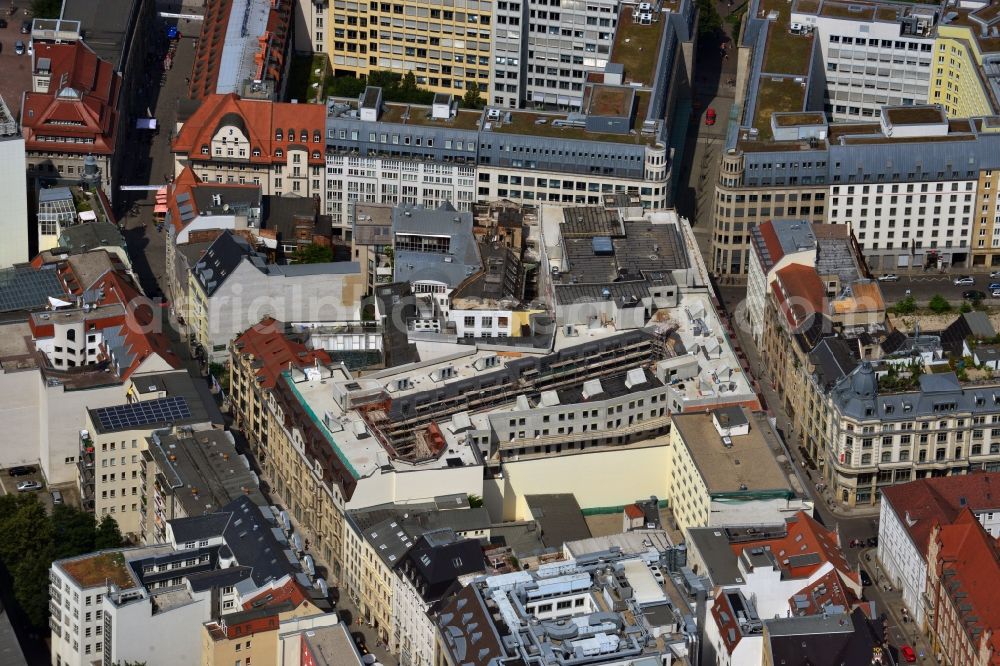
964,281
993,286
973,295
710,116
888,277
866,580
26,27
3,23
57,497
995,274
995,293
872,541
19,47
907,653
21,470
28,486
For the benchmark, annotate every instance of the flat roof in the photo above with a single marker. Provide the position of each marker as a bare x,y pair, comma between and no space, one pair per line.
541,124
203,470
748,465
104,24
559,518
413,114
98,569
636,46
332,646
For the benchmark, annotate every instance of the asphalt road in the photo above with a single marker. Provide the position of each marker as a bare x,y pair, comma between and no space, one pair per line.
924,287
851,524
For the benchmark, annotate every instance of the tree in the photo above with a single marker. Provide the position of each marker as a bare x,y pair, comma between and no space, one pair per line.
709,21
475,501
108,534
906,306
939,304
49,9
73,531
313,254
472,98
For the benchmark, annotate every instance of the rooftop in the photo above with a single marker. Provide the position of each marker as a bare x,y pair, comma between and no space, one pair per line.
920,504
413,114
572,126
332,646
99,569
187,401
786,52
202,469
745,465
636,46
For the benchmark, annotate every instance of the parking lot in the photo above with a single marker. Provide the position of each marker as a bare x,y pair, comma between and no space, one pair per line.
16,69
8,486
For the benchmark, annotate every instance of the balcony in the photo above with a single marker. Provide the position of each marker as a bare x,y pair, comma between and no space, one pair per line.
55,611
55,626
55,593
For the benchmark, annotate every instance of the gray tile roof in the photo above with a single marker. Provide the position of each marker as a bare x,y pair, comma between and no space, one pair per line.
220,260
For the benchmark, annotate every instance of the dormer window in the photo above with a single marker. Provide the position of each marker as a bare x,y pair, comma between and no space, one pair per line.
317,136
291,134
277,135
304,136
256,152
204,150
279,153
316,155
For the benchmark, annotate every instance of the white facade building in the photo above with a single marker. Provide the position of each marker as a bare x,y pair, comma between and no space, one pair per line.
891,219
907,514
873,63
14,193
394,181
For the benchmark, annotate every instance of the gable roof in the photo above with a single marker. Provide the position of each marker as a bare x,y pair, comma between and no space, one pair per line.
81,103
921,504
262,121
804,536
272,350
220,260
969,565
799,292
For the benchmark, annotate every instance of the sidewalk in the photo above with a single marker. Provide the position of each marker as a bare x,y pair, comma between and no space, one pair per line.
891,602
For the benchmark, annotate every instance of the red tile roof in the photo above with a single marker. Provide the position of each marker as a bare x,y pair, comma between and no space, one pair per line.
799,292
289,591
261,121
922,503
771,241
633,511
969,562
186,183
269,56
80,105
267,343
825,590
804,536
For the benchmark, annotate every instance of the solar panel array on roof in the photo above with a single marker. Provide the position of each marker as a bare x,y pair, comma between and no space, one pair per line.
137,414
28,288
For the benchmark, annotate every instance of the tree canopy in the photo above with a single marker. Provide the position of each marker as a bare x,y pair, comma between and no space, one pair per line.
313,254
30,540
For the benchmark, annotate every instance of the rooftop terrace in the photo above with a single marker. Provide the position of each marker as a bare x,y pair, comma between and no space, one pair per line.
636,46
785,53
412,114
98,569
543,124
776,95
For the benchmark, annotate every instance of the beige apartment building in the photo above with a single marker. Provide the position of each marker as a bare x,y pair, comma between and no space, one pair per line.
445,46
114,439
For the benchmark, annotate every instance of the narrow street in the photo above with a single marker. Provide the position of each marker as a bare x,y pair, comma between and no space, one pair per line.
852,524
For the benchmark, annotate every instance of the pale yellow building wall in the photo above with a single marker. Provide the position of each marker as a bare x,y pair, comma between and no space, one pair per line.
603,478
686,492
955,81
445,46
